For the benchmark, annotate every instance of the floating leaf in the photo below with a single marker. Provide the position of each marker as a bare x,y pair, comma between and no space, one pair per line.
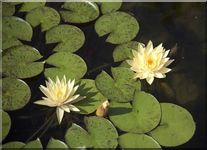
10,33
13,145
107,7
138,141
15,94
121,26
6,124
20,62
33,144
68,64
46,16
93,96
80,12
101,134
143,116
28,6
124,51
56,144
121,88
7,9
176,127
70,38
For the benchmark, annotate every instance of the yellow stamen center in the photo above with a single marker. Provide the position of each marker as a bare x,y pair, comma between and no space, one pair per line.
151,63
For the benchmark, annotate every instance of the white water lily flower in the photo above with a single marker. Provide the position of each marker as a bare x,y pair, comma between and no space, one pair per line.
60,94
149,62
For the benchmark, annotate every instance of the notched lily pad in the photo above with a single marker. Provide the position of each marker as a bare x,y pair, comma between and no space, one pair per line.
107,7
56,144
121,87
68,64
7,9
93,96
70,38
138,141
28,6
100,134
11,35
19,62
120,26
15,94
79,12
6,124
143,116
176,127
46,16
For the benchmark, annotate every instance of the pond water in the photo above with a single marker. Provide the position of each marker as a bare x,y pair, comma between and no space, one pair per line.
180,24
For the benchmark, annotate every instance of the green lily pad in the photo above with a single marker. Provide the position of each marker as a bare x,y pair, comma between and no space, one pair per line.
124,51
56,144
6,124
34,144
15,94
28,6
93,96
176,127
11,35
143,116
13,145
46,16
120,26
20,62
138,141
7,9
100,134
68,64
107,7
70,38
121,88
80,12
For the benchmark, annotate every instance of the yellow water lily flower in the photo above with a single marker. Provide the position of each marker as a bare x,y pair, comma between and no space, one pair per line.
149,63
60,94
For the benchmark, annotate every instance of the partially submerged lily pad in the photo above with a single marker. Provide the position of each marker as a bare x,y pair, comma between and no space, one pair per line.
143,116
93,96
46,16
56,144
6,124
7,9
176,127
20,62
121,87
28,6
120,26
100,134
68,64
107,7
69,38
79,12
11,35
15,94
138,141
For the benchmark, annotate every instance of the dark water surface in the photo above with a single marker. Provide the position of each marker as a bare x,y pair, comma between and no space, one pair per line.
170,23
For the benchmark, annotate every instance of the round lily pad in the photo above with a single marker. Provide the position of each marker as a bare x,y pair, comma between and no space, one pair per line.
15,94
107,7
36,144
176,127
68,64
7,9
100,134
120,26
6,124
13,145
79,12
46,16
93,96
20,62
11,35
121,87
70,38
56,144
143,116
138,141
28,6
